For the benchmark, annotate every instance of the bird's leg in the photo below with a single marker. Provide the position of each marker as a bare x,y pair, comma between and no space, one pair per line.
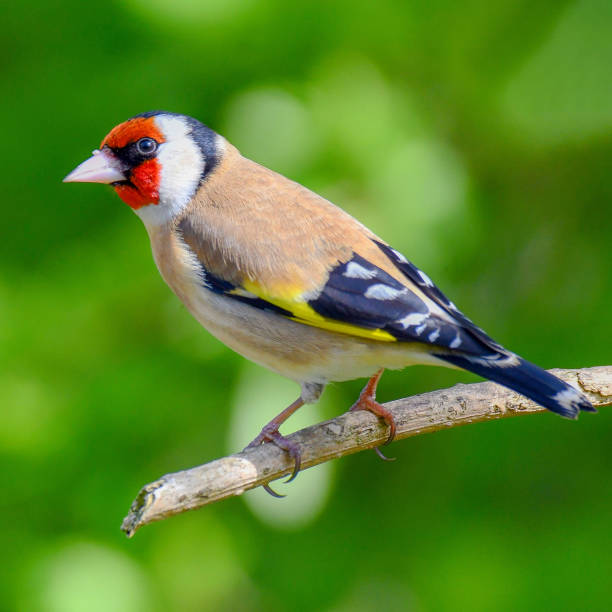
270,433
367,401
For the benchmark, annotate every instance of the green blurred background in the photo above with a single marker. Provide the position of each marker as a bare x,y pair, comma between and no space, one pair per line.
474,136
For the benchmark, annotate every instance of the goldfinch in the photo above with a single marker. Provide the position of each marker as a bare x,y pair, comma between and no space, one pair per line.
289,280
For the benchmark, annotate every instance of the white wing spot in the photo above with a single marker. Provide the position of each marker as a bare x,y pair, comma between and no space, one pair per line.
416,318
355,270
456,342
434,335
568,398
420,329
383,292
498,360
399,256
426,279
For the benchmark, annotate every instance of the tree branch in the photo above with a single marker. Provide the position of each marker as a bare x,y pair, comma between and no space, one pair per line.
349,433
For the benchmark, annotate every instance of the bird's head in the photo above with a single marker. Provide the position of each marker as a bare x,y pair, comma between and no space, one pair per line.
155,162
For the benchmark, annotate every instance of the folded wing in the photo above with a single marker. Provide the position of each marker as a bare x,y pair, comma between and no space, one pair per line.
361,299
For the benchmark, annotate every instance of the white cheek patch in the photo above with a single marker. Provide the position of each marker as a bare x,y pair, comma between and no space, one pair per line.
181,164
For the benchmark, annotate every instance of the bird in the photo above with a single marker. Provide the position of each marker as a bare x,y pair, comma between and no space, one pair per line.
289,280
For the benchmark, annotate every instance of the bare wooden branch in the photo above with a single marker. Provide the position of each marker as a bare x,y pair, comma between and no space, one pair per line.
349,433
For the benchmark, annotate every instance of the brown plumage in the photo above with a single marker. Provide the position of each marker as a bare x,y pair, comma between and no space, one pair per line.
242,203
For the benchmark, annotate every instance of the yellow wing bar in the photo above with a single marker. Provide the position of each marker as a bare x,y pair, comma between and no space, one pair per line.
303,313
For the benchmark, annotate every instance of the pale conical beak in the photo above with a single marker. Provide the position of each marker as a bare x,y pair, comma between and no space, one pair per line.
101,167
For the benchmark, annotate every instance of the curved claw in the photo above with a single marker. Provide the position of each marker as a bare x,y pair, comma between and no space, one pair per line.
383,457
371,405
289,447
296,469
390,421
268,489
367,401
270,433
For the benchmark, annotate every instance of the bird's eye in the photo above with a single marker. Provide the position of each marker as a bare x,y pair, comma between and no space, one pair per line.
146,146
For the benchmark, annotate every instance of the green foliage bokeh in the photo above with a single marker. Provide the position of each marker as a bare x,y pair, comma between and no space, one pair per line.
476,137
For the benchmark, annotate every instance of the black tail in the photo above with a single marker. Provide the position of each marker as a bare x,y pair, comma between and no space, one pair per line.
528,379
